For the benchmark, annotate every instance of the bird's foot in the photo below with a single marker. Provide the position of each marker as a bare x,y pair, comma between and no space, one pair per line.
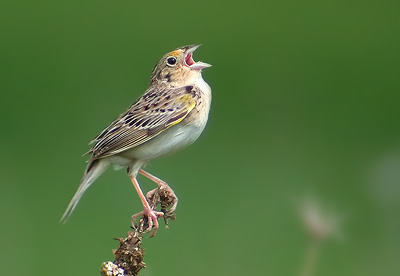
148,222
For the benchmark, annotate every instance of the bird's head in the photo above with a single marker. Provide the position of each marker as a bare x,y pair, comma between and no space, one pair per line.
177,68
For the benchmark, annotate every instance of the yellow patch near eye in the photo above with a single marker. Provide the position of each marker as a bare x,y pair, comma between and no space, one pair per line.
175,53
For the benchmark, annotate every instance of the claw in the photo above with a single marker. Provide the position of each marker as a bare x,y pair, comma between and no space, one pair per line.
150,218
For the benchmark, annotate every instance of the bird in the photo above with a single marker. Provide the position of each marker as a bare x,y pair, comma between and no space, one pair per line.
169,116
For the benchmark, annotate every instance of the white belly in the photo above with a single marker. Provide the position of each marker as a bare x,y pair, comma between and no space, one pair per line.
169,141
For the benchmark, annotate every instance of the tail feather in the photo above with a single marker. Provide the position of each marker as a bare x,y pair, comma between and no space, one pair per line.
93,170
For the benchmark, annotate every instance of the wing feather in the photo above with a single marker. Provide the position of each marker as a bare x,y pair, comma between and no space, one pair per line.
153,113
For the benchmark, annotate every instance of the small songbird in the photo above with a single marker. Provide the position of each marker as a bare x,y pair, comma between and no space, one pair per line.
169,116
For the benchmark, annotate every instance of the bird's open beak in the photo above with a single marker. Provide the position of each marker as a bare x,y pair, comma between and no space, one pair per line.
189,58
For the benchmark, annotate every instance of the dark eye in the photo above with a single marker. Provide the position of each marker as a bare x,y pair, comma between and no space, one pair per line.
171,61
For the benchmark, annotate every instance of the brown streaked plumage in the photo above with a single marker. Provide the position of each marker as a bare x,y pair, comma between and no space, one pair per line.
154,112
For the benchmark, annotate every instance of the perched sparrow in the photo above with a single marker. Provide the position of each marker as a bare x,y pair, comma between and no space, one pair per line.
170,115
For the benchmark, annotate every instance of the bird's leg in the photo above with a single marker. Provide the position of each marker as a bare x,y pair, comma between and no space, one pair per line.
163,187
152,216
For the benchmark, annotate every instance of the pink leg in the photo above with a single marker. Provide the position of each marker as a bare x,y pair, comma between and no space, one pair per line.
152,177
163,184
151,215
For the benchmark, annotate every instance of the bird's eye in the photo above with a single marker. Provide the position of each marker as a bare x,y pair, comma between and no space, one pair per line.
171,61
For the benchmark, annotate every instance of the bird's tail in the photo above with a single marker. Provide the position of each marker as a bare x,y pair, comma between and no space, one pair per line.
93,170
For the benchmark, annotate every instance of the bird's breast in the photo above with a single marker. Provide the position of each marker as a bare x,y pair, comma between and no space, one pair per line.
177,136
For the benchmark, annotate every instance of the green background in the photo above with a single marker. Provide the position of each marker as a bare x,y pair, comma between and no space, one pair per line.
305,104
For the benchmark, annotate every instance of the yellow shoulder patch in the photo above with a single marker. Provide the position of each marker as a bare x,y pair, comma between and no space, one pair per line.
189,103
187,100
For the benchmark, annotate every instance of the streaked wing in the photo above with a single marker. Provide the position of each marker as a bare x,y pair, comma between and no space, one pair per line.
154,112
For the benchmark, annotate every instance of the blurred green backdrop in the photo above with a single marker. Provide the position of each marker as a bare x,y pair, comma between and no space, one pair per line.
305,104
